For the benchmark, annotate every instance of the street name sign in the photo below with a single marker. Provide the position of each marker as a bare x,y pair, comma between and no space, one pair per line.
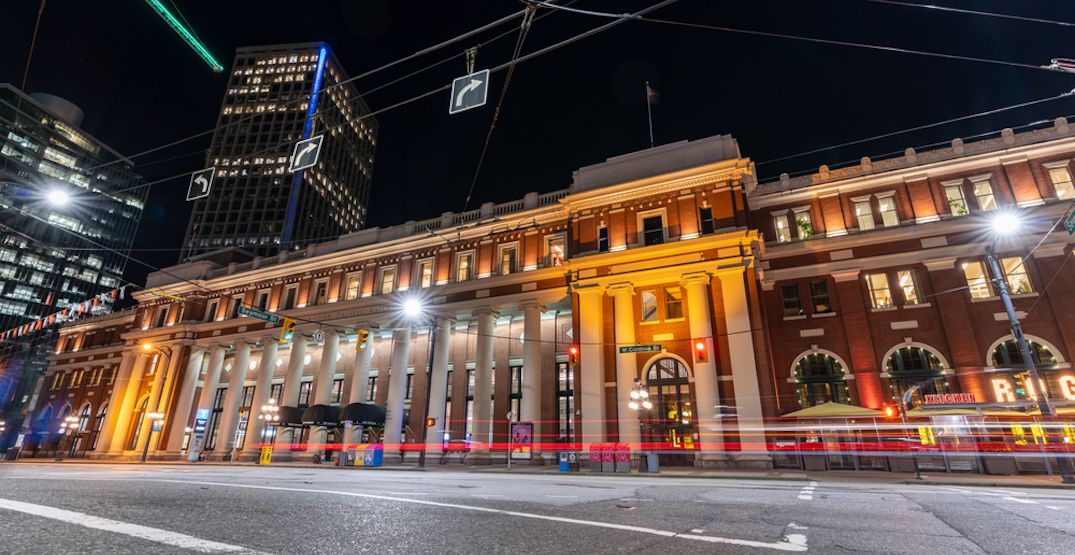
469,91
259,314
306,153
641,349
200,183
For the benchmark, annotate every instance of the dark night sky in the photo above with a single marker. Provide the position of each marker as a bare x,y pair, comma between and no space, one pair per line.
141,86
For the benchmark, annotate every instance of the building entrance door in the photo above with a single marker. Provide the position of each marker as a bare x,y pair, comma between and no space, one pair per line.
669,427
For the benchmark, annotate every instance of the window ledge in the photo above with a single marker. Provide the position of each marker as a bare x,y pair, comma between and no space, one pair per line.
824,315
919,305
1025,296
884,309
799,317
649,323
674,319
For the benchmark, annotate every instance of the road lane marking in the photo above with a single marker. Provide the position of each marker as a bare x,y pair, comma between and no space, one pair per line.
1017,500
1052,507
563,496
134,530
807,493
793,542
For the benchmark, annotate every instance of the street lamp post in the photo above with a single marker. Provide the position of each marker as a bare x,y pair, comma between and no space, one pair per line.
270,416
154,419
1006,223
414,308
640,401
69,426
905,401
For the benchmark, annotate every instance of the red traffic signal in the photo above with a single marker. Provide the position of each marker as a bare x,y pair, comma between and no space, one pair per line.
430,422
891,411
700,352
573,355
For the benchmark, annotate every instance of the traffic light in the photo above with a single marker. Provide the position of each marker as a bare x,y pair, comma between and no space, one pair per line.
430,422
363,340
287,329
700,352
891,411
573,355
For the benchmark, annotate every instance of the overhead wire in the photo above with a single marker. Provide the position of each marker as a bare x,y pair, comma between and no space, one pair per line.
973,12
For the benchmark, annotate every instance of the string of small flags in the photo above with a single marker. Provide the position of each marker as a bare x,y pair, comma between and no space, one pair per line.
71,313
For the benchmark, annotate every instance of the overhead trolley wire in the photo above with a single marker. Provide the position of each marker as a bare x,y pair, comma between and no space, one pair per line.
973,12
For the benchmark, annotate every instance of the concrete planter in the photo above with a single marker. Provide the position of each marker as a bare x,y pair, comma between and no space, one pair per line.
814,462
1003,466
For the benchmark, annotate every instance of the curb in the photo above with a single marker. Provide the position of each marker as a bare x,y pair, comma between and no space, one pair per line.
971,484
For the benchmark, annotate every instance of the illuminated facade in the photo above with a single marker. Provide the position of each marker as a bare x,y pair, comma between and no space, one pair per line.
276,96
732,303
55,255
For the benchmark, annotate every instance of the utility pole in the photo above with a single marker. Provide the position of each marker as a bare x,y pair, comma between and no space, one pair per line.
429,390
1044,405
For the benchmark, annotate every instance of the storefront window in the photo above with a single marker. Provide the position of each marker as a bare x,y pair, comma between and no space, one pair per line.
909,367
819,378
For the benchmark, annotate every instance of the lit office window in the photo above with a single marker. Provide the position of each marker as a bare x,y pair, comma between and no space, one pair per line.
887,206
957,203
977,281
1061,178
983,191
1015,275
909,286
880,295
649,305
864,214
783,231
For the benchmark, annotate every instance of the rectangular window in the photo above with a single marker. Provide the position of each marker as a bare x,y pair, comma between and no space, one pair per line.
320,293
263,300
705,221
388,280
864,214
789,295
304,393
819,296
162,316
783,230
649,305
652,230
354,284
337,391
977,281
1015,275
602,239
880,295
908,280
983,191
464,264
289,297
804,225
210,311
887,206
515,394
236,302
1061,178
425,273
673,303
957,203
276,391
371,388
508,259
409,389
565,393
554,251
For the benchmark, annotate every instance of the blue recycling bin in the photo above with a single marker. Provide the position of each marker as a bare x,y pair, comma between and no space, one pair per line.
565,466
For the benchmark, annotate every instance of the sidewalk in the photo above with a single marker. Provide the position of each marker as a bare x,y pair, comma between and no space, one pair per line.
831,476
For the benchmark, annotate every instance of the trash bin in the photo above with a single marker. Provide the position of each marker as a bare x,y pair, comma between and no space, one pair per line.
595,457
649,463
623,458
564,465
608,459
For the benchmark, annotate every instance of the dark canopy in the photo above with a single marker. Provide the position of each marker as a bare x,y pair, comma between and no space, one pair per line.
290,416
321,415
363,414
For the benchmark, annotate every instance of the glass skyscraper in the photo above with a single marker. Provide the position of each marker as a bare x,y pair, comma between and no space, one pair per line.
276,96
71,206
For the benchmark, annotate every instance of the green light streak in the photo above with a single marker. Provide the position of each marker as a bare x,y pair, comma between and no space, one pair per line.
185,34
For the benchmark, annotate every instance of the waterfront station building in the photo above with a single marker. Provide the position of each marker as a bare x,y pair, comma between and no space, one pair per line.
738,306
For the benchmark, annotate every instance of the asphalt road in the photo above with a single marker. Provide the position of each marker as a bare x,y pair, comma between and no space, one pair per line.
115,509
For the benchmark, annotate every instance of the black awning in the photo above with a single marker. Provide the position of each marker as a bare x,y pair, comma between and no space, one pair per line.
363,414
322,415
290,416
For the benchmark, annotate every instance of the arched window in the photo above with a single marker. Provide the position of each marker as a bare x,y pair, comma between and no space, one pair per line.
84,418
819,378
98,423
139,419
912,366
671,420
1006,355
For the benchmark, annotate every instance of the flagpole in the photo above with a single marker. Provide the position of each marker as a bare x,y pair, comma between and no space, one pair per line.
649,114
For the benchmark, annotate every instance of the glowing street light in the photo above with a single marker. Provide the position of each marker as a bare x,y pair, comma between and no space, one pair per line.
58,197
412,307
69,426
1005,222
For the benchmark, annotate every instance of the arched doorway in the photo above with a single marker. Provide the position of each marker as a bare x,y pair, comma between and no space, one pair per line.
909,366
670,424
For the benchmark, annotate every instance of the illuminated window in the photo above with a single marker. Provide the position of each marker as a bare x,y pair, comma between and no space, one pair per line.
957,203
819,378
880,296
977,281
887,206
320,293
983,191
388,280
908,367
803,224
354,284
649,305
783,231
508,259
673,303
464,264
864,214
1061,178
1015,275
425,273
908,281
819,296
789,296
554,251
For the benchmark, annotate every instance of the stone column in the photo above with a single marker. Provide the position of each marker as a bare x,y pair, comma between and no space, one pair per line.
744,366
590,424
115,401
481,431
180,416
126,409
165,366
357,394
262,388
438,389
322,391
290,395
229,416
531,401
706,393
626,363
209,388
397,383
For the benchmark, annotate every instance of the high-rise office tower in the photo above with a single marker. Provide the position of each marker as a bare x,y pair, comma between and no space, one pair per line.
276,96
71,207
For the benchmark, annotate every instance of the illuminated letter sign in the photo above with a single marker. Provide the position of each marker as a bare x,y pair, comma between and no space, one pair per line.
1067,387
1003,391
